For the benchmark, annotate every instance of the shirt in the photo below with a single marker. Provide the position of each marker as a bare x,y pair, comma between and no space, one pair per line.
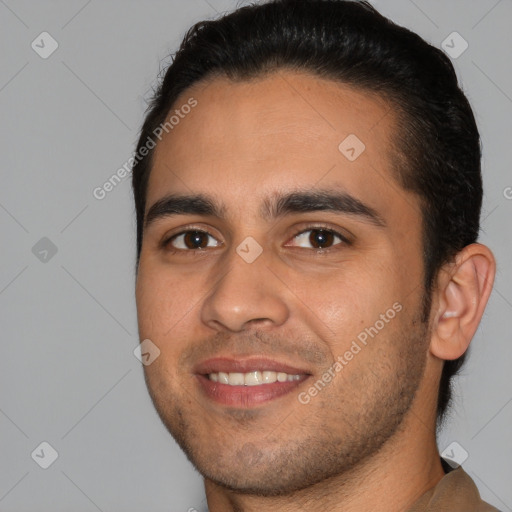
455,492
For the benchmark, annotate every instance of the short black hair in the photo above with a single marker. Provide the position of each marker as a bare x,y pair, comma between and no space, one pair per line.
437,150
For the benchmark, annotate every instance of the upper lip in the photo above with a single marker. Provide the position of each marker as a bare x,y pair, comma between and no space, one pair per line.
245,365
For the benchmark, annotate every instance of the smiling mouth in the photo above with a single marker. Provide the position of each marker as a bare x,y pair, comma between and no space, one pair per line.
247,383
255,378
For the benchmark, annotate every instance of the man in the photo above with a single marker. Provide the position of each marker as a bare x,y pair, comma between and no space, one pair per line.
308,193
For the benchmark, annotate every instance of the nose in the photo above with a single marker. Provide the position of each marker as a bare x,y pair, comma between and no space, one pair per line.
246,294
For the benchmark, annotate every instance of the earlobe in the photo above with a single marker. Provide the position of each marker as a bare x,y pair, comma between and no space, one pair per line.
463,290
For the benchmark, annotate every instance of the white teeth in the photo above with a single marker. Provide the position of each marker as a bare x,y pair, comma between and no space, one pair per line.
255,378
236,379
269,377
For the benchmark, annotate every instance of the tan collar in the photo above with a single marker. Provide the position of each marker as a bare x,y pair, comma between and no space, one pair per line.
455,492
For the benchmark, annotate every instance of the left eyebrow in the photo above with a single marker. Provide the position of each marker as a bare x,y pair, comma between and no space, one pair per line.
319,200
276,206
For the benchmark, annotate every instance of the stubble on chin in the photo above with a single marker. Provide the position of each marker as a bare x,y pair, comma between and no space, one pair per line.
346,423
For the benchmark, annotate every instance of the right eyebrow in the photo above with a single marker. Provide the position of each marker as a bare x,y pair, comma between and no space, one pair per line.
182,205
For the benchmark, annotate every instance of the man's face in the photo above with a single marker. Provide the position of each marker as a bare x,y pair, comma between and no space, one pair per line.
246,337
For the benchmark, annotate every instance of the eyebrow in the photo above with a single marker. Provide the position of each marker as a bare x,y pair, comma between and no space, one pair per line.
274,207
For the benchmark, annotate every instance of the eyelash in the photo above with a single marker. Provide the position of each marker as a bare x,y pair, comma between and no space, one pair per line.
166,243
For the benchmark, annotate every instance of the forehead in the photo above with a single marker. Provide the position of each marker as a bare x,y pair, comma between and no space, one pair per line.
244,141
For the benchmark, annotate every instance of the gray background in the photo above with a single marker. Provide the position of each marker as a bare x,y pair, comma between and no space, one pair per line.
68,375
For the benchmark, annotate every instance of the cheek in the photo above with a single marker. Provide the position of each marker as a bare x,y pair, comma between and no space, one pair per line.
351,298
163,309
360,308
163,303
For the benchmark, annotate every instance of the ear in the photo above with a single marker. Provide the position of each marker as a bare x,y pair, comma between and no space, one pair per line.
463,289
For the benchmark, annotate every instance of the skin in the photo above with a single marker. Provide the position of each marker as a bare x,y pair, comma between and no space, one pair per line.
366,441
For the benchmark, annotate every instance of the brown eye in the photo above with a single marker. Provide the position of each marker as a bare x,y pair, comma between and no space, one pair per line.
319,238
191,240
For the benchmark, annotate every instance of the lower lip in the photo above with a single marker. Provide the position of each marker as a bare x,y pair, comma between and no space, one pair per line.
246,396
